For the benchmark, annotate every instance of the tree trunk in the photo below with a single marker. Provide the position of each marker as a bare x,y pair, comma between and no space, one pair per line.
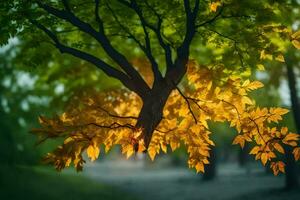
291,180
152,110
243,156
210,169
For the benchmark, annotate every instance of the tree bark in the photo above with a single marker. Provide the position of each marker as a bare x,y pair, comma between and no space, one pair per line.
210,169
243,156
152,110
291,178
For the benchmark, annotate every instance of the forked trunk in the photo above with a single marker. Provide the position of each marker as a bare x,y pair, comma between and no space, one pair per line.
152,110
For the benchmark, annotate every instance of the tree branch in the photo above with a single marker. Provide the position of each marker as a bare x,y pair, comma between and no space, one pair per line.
188,103
66,5
146,49
115,116
104,41
175,75
236,48
212,19
106,68
157,30
97,16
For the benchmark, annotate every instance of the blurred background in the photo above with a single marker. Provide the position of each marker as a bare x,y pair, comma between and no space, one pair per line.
26,93
48,85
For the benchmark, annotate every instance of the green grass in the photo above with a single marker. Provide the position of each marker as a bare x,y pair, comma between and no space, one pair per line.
44,184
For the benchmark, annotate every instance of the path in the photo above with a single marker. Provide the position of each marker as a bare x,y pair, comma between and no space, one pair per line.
165,182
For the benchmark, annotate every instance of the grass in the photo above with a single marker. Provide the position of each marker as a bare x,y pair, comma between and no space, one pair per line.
272,194
45,184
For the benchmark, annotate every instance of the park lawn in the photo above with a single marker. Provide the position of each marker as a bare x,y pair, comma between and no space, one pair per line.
44,184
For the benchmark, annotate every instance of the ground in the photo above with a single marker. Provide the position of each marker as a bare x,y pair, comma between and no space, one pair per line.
141,180
148,181
36,183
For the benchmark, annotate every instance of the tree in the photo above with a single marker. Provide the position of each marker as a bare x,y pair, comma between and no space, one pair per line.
291,169
148,115
292,175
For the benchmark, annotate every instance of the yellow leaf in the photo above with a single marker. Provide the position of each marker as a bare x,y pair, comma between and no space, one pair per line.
68,162
255,150
64,118
174,145
69,139
280,58
281,166
217,91
204,122
246,83
260,67
279,148
130,151
205,161
284,130
204,152
184,124
93,152
296,43
209,141
291,136
239,140
274,167
296,153
200,167
254,85
264,55
276,113
163,147
152,153
214,6
141,147
296,35
247,100
195,129
264,158
107,148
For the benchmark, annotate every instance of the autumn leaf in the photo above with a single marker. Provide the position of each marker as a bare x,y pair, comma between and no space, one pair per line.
255,150
280,58
281,166
264,158
265,56
93,152
186,113
152,153
214,6
296,153
260,67
277,167
296,43
279,148
200,167
239,140
291,139
295,38
254,85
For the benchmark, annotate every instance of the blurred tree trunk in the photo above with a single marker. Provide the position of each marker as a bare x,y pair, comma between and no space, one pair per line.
7,145
243,156
210,169
7,142
291,178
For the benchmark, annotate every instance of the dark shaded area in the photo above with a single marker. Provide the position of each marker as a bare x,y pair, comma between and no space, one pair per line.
42,183
291,167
